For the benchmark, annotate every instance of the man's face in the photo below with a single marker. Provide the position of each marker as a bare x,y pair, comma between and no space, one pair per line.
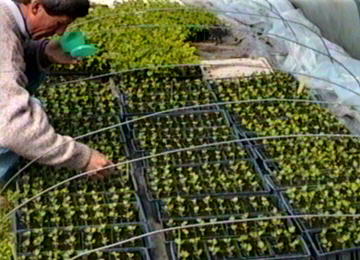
42,25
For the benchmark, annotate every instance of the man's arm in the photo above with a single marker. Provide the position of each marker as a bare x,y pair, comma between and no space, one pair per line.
34,55
24,126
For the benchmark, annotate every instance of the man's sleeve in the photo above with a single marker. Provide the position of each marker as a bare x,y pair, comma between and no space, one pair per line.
24,126
34,55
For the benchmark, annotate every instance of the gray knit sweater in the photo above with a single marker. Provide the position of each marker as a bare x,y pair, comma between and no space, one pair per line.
24,126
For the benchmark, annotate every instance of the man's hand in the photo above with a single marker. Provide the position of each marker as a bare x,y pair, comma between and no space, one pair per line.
56,54
97,162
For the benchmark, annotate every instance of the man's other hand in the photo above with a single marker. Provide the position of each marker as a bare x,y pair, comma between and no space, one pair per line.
56,54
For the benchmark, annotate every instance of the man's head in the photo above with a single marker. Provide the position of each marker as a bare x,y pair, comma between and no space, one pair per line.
45,18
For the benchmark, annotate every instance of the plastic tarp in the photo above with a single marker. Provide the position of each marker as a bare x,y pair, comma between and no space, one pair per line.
338,20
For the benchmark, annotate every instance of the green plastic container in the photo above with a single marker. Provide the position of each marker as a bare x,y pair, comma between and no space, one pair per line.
75,44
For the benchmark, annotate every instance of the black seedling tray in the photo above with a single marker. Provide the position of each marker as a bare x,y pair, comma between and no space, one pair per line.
176,116
80,232
163,215
19,226
137,205
321,254
147,164
144,253
305,255
302,223
125,110
256,170
270,168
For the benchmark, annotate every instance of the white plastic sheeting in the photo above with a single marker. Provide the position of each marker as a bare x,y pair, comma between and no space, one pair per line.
296,44
338,20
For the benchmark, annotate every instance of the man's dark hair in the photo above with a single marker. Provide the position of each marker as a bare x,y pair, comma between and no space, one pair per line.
71,8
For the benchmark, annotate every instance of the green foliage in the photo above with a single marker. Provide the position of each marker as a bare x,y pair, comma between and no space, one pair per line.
7,238
320,175
153,94
313,161
239,240
75,205
149,134
277,117
177,178
301,161
332,198
212,205
137,34
284,118
235,176
67,242
87,105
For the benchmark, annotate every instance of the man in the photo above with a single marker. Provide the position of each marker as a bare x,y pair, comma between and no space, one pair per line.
24,127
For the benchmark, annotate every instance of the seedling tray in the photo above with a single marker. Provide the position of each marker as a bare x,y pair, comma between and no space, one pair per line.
341,232
33,182
156,107
172,144
113,254
105,198
219,154
321,254
176,116
136,149
20,228
80,233
171,94
242,131
189,132
223,206
270,169
291,118
224,232
309,173
304,255
135,208
303,224
197,169
177,72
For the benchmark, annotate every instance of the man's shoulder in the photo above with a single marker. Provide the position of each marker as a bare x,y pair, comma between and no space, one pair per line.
7,20
10,40
5,13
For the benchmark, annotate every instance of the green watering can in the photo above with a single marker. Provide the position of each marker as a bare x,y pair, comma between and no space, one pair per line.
75,44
